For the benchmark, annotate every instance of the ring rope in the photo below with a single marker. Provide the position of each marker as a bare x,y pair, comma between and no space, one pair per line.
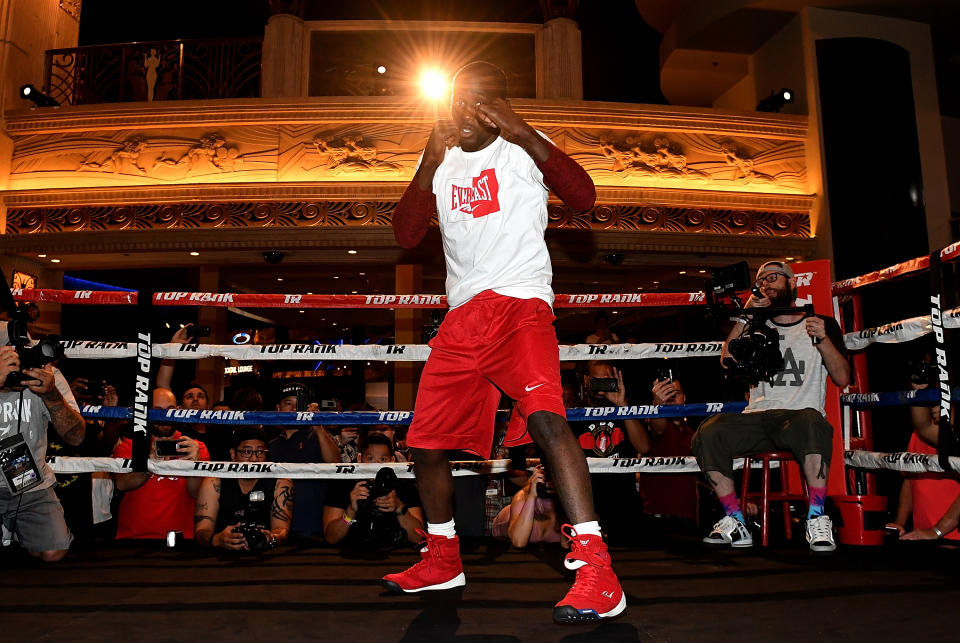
322,470
308,418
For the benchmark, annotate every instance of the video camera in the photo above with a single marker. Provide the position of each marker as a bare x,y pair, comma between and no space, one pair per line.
755,354
45,351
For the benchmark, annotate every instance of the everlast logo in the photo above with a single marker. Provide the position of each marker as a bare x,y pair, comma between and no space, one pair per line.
478,199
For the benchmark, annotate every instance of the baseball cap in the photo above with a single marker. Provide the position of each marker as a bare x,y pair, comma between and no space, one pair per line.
290,389
775,266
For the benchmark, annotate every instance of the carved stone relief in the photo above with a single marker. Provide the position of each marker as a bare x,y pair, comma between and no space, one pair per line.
678,159
72,8
143,158
378,152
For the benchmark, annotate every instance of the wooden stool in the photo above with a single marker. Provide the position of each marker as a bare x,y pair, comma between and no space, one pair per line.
765,496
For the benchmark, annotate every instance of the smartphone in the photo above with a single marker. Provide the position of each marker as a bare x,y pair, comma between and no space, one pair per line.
167,448
328,404
663,374
604,385
303,399
198,331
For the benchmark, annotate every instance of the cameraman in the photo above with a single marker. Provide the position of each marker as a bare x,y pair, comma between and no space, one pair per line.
35,515
349,515
228,509
785,413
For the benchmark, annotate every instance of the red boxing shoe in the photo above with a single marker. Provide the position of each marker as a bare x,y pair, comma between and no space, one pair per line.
596,593
439,567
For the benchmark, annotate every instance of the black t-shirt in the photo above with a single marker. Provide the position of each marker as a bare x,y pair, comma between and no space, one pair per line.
603,439
303,446
217,438
235,505
372,529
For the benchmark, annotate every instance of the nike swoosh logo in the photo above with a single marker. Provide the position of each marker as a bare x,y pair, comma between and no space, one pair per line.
530,388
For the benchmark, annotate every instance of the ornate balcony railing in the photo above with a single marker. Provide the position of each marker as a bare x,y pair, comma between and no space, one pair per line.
155,71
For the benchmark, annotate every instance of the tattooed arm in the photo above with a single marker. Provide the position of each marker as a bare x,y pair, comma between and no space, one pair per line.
281,512
67,421
205,513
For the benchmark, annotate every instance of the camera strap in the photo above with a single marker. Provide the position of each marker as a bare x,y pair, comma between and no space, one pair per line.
946,445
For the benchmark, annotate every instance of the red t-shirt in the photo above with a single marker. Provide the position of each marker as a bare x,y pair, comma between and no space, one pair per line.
161,505
673,494
933,493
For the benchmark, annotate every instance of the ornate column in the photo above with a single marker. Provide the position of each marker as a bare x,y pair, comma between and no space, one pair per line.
559,60
407,330
284,40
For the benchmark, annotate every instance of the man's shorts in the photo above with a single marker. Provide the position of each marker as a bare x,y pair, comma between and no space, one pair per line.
490,344
38,523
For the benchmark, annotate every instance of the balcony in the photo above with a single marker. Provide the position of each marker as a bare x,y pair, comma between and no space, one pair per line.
155,71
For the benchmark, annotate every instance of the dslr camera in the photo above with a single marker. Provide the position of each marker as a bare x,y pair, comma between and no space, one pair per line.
45,351
251,530
379,528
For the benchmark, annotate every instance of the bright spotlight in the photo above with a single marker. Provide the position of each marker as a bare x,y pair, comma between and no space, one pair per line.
433,84
37,97
381,69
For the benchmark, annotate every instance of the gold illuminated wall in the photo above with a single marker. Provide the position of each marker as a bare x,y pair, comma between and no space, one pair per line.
676,169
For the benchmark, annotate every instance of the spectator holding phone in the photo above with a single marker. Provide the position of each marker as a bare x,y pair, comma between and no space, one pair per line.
533,515
194,397
154,505
244,514
676,494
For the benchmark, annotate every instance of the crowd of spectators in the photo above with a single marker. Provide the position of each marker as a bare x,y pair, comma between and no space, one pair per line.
251,514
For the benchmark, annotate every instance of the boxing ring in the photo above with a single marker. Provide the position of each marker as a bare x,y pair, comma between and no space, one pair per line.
856,435
676,589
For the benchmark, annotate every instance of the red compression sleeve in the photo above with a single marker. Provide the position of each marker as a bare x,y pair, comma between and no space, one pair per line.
412,216
568,180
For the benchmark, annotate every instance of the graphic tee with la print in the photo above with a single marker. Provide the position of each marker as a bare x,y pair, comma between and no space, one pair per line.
492,207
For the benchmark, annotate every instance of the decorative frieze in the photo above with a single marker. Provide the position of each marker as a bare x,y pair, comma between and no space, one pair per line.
335,214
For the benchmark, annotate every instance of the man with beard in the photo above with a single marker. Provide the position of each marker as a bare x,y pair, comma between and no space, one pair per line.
785,413
488,173
154,505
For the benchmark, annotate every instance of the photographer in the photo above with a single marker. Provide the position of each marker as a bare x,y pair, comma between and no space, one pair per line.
30,399
615,495
368,515
785,413
928,498
234,513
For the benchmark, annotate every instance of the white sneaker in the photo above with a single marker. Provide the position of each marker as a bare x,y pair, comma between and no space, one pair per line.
820,534
729,531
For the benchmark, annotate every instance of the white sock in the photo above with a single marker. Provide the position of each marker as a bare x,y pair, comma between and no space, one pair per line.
591,527
447,529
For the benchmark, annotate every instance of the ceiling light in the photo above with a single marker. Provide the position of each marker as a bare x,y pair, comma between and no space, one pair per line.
334,323
381,69
194,254
353,292
351,252
42,256
702,271
303,311
362,274
336,276
683,272
54,261
790,258
279,278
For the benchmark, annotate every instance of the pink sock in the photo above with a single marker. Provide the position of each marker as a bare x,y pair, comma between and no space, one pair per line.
731,506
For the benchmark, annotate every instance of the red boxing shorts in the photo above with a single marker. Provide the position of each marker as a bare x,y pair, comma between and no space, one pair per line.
490,344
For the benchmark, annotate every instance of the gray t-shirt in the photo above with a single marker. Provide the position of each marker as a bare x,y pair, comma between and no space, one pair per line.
34,418
802,384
